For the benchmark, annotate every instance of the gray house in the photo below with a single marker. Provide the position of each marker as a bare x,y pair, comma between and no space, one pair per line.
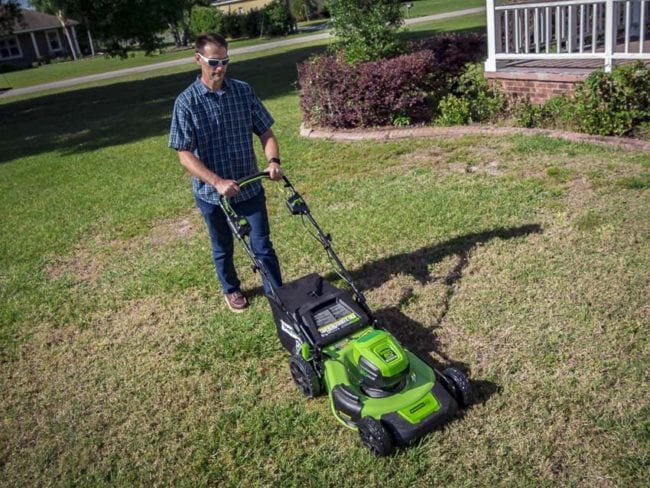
38,36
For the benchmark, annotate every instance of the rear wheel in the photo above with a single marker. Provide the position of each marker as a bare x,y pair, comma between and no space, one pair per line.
460,387
304,377
375,437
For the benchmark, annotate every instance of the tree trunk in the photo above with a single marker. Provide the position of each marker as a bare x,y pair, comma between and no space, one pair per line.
61,18
173,28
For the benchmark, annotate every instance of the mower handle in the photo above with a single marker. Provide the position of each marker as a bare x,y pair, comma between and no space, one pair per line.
246,180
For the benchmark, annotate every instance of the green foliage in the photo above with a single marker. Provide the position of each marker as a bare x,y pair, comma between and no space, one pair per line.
400,120
454,110
205,19
366,30
303,9
613,103
277,19
9,14
473,100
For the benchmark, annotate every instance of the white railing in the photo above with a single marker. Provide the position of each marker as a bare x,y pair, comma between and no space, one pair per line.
606,30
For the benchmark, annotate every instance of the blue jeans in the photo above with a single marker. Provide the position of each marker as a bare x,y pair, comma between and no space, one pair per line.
254,209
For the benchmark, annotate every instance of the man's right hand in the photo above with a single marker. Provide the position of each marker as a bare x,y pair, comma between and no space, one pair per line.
227,188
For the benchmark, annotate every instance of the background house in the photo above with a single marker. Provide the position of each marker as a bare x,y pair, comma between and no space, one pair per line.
239,6
38,36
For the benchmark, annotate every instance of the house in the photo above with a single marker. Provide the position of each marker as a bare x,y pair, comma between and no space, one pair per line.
239,6
544,48
38,36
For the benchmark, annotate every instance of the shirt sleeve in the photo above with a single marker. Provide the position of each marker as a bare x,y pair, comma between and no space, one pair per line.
262,119
181,134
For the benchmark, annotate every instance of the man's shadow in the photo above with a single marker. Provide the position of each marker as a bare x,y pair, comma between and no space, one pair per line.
418,338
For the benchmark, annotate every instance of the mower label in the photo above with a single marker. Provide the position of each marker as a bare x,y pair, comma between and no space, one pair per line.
289,330
337,324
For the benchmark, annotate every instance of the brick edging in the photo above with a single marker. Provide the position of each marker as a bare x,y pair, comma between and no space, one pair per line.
458,131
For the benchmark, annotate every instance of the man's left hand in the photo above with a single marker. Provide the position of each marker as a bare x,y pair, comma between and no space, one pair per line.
274,170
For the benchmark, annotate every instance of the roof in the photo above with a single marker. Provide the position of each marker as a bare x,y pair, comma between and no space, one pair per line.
37,21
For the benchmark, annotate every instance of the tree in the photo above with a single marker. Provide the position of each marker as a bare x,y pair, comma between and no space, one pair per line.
366,30
303,9
121,24
9,14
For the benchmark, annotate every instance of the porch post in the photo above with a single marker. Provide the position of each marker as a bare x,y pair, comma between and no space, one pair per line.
74,38
609,34
35,44
491,62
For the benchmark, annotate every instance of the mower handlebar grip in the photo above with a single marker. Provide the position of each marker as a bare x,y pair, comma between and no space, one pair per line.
250,178
258,176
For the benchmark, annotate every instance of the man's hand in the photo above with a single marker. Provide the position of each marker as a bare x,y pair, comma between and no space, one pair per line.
227,188
274,170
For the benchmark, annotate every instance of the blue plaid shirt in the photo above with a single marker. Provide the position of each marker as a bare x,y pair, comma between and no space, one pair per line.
218,128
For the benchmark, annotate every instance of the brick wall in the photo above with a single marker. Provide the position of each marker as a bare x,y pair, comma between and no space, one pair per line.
538,87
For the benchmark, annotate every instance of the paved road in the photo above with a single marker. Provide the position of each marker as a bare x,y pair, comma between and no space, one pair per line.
235,51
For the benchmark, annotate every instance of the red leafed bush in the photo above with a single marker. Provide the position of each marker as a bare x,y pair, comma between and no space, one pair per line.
334,93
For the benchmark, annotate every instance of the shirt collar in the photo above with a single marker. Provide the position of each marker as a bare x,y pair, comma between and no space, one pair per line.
203,90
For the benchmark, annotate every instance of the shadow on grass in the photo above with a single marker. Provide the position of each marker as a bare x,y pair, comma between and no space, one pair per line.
418,338
124,112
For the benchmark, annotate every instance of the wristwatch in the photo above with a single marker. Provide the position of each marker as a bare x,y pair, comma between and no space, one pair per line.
274,160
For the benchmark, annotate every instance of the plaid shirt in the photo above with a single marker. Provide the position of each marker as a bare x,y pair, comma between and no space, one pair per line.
218,128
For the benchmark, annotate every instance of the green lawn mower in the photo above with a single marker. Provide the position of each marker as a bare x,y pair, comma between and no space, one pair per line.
375,385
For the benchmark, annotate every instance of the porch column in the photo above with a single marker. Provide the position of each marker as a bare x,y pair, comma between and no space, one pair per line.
35,44
609,34
74,38
491,62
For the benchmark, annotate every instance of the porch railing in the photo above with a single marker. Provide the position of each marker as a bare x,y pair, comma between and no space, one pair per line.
606,30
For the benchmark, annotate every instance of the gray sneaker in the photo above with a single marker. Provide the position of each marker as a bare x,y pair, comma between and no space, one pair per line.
236,301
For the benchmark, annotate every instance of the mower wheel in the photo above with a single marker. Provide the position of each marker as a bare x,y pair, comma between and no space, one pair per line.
375,437
304,377
461,388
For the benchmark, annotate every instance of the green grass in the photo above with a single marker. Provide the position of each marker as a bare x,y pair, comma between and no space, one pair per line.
122,366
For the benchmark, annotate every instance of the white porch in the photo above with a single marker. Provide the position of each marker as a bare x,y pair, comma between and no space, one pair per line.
566,36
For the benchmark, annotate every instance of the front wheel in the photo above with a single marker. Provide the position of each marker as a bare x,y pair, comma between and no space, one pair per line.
375,437
304,377
461,388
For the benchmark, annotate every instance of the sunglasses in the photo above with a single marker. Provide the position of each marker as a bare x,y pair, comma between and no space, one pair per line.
214,62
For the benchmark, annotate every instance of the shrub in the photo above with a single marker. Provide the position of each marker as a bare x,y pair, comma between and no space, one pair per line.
614,103
454,111
277,19
366,30
231,25
404,88
336,94
205,19
474,99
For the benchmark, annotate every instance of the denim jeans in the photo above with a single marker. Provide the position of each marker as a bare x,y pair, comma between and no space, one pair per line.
254,209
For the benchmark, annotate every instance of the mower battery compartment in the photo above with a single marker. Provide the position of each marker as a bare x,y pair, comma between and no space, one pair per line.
326,312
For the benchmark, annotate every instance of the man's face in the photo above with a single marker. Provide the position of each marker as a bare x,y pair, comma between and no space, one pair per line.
211,52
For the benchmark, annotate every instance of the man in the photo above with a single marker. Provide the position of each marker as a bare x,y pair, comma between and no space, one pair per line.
212,129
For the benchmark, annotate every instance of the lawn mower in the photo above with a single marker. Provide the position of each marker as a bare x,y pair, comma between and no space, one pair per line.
375,385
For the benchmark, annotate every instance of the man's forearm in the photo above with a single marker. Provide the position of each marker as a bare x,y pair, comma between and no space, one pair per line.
196,168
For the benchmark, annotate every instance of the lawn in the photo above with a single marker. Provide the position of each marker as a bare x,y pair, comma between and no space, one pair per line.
522,260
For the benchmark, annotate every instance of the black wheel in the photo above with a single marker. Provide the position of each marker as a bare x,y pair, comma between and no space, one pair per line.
375,437
304,377
461,388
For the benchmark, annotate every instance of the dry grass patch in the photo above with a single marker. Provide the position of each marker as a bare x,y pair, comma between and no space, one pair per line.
88,262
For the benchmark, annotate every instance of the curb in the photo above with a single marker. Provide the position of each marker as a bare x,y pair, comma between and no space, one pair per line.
391,133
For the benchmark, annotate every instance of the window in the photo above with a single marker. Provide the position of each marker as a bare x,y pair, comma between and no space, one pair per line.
9,48
54,41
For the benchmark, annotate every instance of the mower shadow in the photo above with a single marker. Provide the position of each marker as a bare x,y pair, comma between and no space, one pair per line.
419,338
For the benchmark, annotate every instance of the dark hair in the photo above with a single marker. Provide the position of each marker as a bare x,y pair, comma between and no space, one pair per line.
210,38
